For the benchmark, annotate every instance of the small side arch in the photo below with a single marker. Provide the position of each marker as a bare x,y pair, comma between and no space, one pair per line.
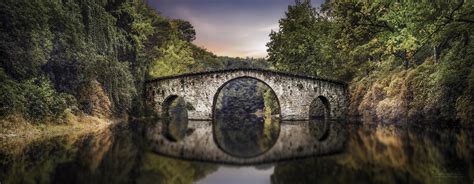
319,115
320,108
175,118
165,107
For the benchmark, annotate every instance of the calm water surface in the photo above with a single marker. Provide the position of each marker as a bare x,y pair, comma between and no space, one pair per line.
126,154
246,142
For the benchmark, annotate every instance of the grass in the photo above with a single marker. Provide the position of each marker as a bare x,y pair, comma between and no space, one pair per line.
15,132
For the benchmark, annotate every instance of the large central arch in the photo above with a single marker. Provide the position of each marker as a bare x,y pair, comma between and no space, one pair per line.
216,95
247,151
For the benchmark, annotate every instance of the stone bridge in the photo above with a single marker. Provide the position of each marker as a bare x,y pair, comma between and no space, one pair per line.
295,93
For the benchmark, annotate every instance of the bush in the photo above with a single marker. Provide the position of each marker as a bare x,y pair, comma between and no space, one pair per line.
34,99
11,98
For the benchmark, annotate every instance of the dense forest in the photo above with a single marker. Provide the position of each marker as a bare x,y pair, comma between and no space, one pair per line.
64,58
405,62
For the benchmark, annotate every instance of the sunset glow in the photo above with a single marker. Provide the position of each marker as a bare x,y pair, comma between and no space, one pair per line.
229,28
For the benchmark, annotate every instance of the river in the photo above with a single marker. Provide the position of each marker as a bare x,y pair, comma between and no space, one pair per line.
131,152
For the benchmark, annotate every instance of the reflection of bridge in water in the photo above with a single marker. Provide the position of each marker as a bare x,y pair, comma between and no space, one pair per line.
236,138
295,93
297,139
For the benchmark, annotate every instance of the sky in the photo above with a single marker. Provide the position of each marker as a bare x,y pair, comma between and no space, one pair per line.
237,28
239,175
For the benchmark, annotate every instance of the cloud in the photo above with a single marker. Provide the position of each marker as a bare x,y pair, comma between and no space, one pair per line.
269,28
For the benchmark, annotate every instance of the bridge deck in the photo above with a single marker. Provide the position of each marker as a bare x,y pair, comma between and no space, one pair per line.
249,70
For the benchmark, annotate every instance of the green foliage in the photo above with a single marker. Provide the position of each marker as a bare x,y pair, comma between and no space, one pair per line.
74,42
10,99
270,102
305,43
176,57
26,40
43,101
464,107
292,47
61,47
118,83
185,30
35,98
401,58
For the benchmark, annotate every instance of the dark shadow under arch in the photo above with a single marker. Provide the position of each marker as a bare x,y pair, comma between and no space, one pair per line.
319,117
165,107
216,95
320,108
174,118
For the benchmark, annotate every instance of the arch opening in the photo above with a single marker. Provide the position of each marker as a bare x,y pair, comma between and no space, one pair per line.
319,108
174,118
246,117
319,115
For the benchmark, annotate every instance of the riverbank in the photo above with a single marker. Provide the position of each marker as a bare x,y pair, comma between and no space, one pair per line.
423,95
17,132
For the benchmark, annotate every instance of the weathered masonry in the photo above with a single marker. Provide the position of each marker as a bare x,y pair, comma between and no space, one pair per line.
295,92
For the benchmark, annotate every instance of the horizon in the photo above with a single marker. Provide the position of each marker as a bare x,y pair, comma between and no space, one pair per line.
223,27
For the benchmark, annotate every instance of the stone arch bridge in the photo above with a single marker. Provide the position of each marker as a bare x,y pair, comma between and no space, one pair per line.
295,93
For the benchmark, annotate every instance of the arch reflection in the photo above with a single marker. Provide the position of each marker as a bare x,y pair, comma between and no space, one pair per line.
295,141
246,119
175,118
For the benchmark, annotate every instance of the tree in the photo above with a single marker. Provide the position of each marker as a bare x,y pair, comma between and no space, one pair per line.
305,43
176,57
291,47
185,30
375,31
